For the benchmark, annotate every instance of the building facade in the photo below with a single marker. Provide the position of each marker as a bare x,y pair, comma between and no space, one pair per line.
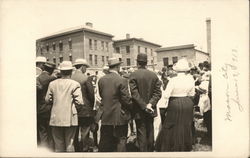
82,42
168,56
130,47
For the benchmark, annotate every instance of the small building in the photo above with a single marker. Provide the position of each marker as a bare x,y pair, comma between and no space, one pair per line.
168,56
130,47
80,42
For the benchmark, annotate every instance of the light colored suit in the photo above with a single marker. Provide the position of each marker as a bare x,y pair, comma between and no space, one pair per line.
65,95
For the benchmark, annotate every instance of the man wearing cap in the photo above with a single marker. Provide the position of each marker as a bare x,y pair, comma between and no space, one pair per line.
116,106
85,114
40,61
146,92
66,98
43,109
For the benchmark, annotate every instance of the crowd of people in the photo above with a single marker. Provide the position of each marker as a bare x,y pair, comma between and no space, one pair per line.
80,112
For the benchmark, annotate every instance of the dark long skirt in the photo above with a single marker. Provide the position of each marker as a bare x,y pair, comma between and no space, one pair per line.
176,132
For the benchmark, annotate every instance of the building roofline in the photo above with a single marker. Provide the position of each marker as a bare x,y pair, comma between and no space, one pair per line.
74,30
187,46
201,51
137,39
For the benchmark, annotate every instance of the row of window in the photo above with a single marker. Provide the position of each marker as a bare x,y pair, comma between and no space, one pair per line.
53,46
166,63
104,45
139,50
94,58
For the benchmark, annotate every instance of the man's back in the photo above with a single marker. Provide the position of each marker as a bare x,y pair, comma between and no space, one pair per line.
113,90
145,88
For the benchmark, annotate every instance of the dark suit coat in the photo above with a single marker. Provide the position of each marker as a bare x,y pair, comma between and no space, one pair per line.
116,101
42,83
87,93
145,88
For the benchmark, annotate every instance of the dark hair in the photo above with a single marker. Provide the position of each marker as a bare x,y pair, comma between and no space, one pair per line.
142,63
49,69
66,72
78,66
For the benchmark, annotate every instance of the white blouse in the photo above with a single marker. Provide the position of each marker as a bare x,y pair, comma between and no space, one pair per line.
180,86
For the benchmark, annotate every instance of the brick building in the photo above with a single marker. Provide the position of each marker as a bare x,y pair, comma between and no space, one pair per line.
79,42
167,56
130,47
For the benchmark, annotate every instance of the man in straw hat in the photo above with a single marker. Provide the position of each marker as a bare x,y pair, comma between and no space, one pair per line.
43,109
40,61
146,92
65,96
116,104
85,114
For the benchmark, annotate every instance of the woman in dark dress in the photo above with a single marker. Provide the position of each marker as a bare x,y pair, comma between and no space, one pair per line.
176,132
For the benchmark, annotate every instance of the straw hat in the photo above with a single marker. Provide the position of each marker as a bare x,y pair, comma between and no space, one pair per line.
113,62
41,59
81,61
66,65
182,65
50,65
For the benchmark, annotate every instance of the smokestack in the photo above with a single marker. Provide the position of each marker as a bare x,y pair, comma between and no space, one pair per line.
208,25
89,24
127,36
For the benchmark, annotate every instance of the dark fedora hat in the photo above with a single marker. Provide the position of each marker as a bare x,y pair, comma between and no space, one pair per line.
50,65
142,57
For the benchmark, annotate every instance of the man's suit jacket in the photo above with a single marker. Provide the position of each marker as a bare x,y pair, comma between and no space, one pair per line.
87,94
145,88
42,83
116,101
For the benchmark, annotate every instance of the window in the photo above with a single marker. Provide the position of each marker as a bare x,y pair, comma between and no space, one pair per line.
54,46
165,61
107,58
146,50
102,43
95,44
107,46
139,49
152,61
90,43
70,44
117,49
41,50
103,62
70,57
128,61
95,59
60,46
54,59
47,59
151,52
90,59
47,47
127,49
61,59
175,59
120,59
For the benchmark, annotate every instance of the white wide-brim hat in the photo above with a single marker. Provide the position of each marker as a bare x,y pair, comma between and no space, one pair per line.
181,65
81,61
66,65
41,59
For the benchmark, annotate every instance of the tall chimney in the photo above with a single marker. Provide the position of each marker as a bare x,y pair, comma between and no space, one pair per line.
208,22
89,24
127,36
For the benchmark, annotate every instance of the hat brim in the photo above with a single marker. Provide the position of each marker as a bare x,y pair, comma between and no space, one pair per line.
50,66
66,68
180,70
115,64
80,64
